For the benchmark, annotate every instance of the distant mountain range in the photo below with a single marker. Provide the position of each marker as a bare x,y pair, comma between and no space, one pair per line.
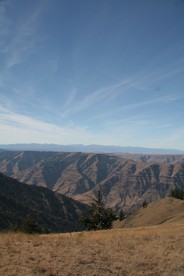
51,211
88,148
126,182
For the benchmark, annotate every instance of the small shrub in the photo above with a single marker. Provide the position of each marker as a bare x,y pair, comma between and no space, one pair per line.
177,193
144,204
121,215
30,226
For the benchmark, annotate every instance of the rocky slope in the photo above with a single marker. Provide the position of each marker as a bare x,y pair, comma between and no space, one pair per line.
154,158
51,211
126,183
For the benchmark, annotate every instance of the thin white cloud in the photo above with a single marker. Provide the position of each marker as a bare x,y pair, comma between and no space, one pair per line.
140,87
94,97
69,100
128,117
20,120
160,73
18,128
141,82
22,35
4,21
164,99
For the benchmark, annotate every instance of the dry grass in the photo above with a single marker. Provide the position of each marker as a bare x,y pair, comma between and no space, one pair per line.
165,210
157,250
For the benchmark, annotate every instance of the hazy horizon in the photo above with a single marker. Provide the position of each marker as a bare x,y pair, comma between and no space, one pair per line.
100,72
89,148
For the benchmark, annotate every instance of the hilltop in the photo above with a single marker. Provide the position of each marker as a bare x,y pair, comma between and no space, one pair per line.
166,210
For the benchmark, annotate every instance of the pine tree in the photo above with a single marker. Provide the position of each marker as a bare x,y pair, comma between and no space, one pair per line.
177,193
29,225
99,217
121,215
144,204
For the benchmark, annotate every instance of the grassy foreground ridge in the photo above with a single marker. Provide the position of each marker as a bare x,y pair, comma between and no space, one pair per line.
154,250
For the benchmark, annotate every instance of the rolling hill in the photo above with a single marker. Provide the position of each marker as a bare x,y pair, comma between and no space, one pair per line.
166,210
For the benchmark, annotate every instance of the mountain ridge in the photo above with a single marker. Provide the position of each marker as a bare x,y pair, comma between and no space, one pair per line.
125,183
88,148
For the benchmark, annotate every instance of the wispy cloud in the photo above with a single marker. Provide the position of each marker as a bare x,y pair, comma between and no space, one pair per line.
69,100
18,128
35,130
139,115
92,98
160,73
22,35
162,100
127,114
143,82
26,129
4,21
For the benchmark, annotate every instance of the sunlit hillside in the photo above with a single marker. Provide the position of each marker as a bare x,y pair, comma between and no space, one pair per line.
165,210
156,250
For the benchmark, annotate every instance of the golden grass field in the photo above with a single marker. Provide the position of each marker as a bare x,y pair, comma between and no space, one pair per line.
153,250
164,210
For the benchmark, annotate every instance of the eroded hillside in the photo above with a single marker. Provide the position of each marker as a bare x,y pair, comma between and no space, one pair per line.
125,183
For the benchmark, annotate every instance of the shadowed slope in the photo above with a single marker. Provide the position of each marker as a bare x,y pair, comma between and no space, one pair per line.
53,212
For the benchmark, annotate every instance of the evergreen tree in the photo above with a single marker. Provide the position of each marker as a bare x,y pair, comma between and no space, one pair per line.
177,193
30,226
144,204
121,215
99,217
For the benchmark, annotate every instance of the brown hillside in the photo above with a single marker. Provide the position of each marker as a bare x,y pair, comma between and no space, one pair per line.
154,158
161,211
125,183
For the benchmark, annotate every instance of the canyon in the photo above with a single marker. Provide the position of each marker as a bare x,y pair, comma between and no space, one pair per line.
126,180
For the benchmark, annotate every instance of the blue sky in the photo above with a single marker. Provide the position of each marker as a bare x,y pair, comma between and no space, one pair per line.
107,72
